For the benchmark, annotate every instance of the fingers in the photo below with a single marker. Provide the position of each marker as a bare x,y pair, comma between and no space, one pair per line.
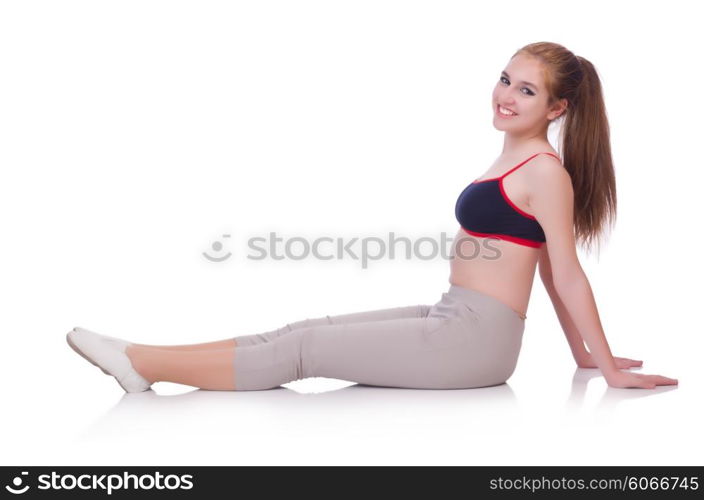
660,380
628,362
654,380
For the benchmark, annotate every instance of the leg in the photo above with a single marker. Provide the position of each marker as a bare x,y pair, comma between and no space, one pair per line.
209,365
448,349
272,363
423,353
228,343
415,311
207,369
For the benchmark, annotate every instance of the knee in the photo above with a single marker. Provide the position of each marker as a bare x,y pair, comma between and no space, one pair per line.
267,366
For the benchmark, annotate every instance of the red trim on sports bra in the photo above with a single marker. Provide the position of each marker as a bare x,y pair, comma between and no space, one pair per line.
514,168
513,205
513,239
503,191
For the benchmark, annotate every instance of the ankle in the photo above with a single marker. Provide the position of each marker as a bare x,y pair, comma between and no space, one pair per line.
140,362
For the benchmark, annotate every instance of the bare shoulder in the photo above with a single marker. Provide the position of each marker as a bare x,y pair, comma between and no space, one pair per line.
547,166
548,177
552,203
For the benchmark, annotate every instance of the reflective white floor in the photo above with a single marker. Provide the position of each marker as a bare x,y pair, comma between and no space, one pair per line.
529,421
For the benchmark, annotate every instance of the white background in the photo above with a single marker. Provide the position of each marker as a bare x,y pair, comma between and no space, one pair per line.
134,134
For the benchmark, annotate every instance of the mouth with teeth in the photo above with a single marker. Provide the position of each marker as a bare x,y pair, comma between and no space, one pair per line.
503,112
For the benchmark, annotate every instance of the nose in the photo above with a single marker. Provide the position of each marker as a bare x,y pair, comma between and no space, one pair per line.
506,101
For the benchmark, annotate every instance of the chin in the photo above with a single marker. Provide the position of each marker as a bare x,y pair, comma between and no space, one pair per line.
498,125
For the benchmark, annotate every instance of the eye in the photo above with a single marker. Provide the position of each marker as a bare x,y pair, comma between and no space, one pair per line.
530,92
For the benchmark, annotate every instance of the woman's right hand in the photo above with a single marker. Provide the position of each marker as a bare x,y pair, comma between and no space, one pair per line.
623,379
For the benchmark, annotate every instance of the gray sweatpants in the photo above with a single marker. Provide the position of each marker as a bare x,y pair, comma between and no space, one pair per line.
467,339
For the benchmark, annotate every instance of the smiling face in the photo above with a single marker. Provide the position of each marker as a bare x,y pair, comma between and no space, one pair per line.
521,89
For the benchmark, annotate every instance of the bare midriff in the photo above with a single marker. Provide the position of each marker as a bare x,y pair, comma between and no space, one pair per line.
498,268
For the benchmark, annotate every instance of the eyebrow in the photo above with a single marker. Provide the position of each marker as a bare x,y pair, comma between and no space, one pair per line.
527,83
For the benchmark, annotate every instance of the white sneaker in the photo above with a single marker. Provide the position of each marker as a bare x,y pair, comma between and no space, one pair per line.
108,354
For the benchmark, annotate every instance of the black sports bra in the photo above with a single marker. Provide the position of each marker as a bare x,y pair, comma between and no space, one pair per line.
484,209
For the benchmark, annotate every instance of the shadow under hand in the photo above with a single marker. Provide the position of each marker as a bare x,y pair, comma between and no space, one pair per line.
612,396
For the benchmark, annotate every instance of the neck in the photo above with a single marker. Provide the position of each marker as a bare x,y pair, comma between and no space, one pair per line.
525,143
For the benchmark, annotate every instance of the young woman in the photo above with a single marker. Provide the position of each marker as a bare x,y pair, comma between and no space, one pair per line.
528,209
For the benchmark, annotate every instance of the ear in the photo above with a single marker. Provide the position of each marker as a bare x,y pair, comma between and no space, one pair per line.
558,109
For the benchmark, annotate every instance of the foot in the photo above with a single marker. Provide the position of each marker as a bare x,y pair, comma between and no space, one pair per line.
108,354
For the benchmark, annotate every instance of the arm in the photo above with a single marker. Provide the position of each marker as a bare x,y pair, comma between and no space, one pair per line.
552,202
552,199
576,343
581,356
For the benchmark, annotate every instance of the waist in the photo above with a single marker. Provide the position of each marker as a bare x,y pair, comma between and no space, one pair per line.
472,296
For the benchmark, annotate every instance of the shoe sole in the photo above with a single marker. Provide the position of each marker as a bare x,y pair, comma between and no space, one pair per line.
84,356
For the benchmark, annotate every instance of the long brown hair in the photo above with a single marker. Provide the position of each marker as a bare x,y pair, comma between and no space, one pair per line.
584,142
